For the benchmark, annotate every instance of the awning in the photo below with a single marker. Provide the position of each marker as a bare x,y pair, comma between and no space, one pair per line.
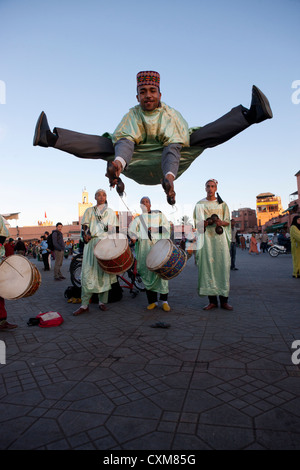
12,215
277,226
289,209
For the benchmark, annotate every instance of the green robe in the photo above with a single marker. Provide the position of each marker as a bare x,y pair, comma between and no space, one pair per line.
151,131
136,230
213,250
4,233
295,248
93,278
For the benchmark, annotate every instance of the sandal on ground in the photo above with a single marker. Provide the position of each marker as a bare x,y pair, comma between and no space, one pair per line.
103,307
80,311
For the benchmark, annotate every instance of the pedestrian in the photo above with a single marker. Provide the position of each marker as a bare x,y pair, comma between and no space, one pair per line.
253,245
295,245
146,230
258,239
59,249
97,222
264,241
243,242
45,253
213,254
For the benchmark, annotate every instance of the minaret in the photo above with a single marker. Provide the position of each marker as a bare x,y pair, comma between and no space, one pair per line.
82,206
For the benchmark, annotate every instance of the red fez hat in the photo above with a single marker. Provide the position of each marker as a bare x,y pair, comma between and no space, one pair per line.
148,78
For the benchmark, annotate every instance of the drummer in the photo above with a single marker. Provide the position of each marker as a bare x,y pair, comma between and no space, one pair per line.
97,222
4,233
145,230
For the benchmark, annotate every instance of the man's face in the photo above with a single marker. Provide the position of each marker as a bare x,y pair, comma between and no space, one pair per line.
149,97
145,205
59,227
100,198
211,188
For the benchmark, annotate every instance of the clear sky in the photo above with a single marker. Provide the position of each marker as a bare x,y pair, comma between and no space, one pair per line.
78,61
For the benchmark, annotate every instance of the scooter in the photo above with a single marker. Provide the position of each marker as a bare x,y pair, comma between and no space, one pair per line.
276,250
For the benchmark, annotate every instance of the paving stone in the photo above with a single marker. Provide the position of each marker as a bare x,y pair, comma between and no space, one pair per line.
217,380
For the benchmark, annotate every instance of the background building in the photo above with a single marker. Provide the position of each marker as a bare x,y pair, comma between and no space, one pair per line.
268,206
245,220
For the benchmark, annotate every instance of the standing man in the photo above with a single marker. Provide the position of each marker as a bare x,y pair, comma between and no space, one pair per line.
4,233
213,255
233,245
97,222
145,230
155,135
59,250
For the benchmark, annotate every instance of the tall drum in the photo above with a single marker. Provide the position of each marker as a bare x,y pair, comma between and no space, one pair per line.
113,254
166,259
18,278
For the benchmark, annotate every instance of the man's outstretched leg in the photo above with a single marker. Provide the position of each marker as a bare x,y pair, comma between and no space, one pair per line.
76,143
234,122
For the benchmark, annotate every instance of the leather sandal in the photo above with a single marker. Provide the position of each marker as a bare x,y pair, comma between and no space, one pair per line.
80,311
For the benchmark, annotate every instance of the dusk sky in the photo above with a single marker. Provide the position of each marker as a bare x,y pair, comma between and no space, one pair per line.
78,61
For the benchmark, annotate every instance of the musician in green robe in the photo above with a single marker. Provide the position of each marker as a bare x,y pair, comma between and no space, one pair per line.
153,144
213,248
145,230
97,222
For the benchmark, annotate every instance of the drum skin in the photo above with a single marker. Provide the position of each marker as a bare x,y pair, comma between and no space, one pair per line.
114,255
166,259
18,278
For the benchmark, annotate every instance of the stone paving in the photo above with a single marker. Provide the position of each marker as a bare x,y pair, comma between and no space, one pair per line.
107,380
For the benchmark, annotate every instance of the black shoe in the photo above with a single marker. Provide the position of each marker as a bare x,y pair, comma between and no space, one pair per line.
43,137
260,108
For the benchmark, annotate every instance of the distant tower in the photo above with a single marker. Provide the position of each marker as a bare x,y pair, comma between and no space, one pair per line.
82,206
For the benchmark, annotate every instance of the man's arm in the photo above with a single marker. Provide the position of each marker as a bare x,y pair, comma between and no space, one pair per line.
124,149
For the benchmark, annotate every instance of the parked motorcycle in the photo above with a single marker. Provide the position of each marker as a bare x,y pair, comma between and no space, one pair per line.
276,250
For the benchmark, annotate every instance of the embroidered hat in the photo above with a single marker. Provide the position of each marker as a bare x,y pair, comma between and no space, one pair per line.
148,78
214,181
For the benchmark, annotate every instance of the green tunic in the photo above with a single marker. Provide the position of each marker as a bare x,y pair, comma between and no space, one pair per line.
151,131
3,233
143,246
93,279
295,248
213,250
